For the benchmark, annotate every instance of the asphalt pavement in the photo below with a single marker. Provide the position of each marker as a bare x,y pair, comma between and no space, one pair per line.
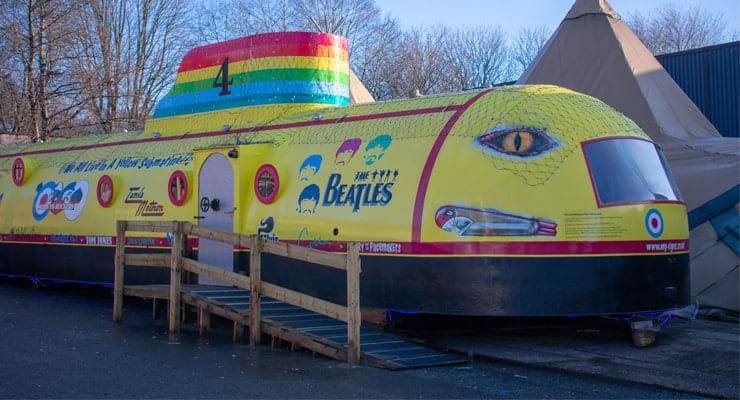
694,355
63,344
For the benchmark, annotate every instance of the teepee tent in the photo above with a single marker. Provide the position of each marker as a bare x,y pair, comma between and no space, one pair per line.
593,51
358,93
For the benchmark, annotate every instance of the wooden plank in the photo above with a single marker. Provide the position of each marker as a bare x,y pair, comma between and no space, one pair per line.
219,274
215,234
175,277
238,332
221,311
298,299
118,272
245,241
148,226
293,251
187,228
204,320
147,291
255,290
354,318
148,260
155,309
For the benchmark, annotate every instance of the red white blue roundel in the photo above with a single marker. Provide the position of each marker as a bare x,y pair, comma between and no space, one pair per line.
654,223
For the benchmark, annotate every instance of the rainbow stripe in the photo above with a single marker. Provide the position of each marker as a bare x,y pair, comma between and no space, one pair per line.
267,69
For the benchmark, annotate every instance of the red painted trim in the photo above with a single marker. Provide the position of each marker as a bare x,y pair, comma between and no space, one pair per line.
105,179
91,240
394,114
18,171
369,117
269,168
558,248
178,201
429,165
439,249
525,248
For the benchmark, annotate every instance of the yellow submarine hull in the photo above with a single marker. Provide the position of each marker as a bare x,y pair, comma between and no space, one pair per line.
515,201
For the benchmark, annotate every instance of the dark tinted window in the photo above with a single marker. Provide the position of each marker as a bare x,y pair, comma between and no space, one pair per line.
626,170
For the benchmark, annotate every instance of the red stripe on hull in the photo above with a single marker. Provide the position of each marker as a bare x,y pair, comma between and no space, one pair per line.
393,114
465,249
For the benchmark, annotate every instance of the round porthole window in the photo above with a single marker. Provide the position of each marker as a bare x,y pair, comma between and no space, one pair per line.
105,191
19,171
177,188
266,183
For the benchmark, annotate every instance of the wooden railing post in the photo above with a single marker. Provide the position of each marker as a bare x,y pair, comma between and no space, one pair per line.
255,271
184,250
175,276
354,319
118,275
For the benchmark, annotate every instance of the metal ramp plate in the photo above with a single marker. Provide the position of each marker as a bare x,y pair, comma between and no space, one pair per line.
377,348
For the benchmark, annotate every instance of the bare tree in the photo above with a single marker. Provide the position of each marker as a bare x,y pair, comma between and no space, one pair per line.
38,37
227,19
342,17
421,65
12,115
476,56
371,57
669,29
100,58
127,56
374,41
525,47
160,41
370,36
270,16
214,23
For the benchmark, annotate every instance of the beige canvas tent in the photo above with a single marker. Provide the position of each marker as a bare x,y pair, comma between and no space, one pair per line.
358,93
593,51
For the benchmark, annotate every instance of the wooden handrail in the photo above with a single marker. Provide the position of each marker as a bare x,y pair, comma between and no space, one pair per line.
149,260
178,263
314,256
218,274
148,226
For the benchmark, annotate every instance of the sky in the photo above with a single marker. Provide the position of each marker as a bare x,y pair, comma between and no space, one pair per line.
512,15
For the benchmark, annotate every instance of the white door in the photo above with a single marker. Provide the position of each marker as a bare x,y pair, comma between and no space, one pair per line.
216,210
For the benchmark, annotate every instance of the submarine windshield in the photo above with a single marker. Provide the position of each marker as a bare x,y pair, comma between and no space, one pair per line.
629,170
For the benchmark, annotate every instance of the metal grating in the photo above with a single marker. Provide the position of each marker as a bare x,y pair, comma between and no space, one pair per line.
377,348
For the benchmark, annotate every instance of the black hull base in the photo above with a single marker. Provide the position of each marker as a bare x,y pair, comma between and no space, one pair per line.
482,286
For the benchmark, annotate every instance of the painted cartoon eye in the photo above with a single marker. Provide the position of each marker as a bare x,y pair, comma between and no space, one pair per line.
519,142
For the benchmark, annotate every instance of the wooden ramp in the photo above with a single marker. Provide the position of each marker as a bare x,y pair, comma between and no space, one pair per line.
300,327
327,328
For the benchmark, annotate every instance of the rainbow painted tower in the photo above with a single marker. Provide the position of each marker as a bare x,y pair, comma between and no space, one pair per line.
245,81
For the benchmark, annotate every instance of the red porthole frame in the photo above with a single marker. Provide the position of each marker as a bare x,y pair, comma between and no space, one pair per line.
259,188
18,172
102,182
172,184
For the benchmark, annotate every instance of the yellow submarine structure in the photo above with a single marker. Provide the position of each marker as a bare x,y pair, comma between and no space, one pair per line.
508,201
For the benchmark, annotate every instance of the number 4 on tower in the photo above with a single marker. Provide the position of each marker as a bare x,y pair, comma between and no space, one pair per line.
222,79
